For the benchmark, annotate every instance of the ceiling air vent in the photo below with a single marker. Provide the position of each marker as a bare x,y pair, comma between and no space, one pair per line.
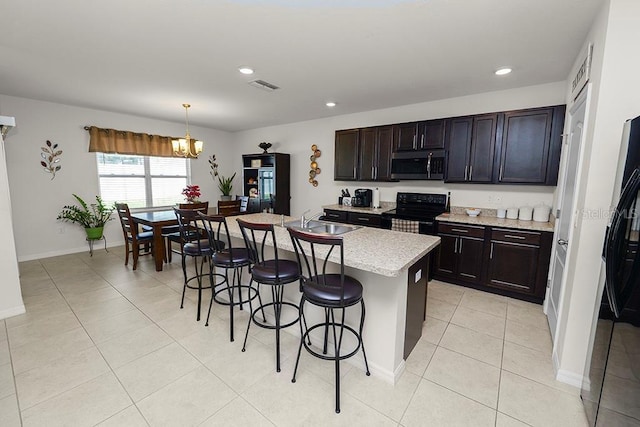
261,84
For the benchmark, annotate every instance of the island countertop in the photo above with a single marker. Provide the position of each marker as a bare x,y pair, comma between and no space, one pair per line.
385,252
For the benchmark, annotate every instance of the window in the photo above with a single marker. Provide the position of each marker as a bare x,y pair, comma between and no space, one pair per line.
142,181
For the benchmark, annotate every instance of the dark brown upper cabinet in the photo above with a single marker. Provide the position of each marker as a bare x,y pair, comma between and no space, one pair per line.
346,155
512,147
363,154
426,135
470,148
529,150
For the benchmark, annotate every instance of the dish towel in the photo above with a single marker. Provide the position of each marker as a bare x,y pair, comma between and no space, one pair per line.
405,225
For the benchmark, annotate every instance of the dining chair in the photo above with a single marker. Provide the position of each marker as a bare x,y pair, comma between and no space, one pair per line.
172,233
133,239
331,292
229,207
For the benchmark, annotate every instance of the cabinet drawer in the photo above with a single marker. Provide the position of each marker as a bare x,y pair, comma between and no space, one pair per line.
336,216
461,230
365,219
513,236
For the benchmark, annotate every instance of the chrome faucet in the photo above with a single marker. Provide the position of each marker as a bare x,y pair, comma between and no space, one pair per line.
304,222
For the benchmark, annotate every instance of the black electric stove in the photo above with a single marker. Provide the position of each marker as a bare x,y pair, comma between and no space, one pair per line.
419,207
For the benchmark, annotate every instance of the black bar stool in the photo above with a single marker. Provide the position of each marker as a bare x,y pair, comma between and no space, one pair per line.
195,245
228,258
330,291
274,273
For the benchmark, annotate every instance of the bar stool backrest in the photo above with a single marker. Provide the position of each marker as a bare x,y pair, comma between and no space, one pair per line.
216,226
190,232
313,253
256,236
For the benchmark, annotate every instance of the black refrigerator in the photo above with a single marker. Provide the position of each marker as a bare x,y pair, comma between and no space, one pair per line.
611,388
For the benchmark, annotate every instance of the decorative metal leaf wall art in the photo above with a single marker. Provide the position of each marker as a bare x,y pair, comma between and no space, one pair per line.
50,158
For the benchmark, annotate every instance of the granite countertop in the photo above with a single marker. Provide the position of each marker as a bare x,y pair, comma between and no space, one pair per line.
384,207
493,221
379,251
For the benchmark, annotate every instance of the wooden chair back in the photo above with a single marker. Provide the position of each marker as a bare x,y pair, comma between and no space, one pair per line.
229,207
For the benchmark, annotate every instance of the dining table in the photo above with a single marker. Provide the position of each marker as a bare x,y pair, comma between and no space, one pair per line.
156,220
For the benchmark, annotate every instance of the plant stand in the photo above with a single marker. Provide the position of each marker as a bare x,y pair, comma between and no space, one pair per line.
92,241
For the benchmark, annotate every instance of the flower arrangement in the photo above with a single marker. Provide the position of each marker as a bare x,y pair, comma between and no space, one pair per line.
191,193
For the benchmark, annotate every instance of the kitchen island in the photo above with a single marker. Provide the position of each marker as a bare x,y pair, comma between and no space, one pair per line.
393,269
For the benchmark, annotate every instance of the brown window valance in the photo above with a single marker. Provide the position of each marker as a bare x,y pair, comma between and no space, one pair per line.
127,142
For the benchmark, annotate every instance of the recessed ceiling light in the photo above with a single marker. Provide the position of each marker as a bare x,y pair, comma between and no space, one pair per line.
245,70
503,71
330,104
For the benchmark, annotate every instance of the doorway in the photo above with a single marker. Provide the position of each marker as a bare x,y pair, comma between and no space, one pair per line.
567,211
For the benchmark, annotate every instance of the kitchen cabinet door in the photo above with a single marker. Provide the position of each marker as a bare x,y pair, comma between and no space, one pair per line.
385,147
346,155
431,134
368,148
470,259
458,143
483,143
404,136
531,140
445,264
513,266
375,154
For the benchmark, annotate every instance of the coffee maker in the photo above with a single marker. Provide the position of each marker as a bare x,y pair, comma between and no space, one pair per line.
362,198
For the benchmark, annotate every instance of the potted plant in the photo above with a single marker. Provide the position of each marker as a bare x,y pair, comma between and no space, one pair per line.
92,217
225,185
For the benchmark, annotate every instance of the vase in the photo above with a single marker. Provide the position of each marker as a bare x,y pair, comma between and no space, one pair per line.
225,198
94,233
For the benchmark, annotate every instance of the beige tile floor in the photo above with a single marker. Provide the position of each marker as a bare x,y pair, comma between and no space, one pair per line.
103,345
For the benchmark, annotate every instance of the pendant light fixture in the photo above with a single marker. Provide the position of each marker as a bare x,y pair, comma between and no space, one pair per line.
182,146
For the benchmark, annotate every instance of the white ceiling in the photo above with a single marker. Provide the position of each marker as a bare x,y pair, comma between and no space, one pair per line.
147,57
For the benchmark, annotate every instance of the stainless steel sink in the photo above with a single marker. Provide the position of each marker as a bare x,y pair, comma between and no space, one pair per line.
322,227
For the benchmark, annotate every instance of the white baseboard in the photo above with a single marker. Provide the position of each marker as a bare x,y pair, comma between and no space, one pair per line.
56,253
565,376
13,311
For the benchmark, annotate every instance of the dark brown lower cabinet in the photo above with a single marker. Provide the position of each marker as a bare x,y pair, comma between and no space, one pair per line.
461,253
356,218
506,261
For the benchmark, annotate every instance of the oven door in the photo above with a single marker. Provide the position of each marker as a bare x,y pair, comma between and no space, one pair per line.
427,226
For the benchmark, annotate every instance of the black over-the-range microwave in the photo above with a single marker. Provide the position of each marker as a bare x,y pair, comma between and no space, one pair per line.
418,165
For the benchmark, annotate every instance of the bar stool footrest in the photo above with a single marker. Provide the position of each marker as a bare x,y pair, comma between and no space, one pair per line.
305,338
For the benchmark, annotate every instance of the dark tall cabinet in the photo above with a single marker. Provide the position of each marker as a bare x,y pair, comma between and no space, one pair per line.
265,180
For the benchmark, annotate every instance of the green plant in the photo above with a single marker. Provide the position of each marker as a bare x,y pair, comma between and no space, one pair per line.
224,184
96,215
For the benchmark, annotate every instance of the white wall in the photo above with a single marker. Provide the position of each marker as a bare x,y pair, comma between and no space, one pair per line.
615,98
297,138
10,297
37,200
